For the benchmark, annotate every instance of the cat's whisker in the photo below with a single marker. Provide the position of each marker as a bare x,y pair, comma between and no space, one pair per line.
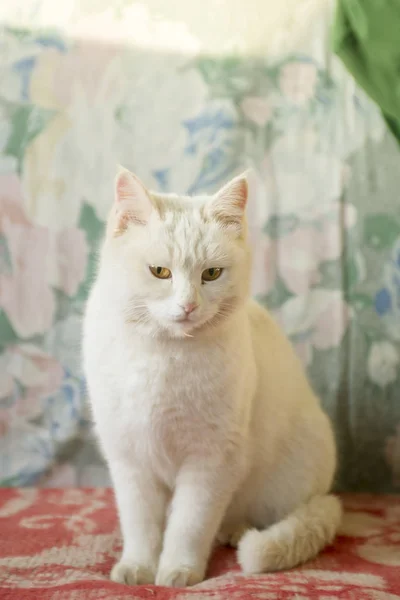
140,319
142,309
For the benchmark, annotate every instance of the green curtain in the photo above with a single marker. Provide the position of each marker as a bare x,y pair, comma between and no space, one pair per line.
366,36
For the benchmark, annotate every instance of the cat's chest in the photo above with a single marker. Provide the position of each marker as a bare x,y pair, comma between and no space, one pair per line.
173,407
174,376
171,392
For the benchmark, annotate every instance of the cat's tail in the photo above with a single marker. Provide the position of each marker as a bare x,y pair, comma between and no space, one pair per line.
294,540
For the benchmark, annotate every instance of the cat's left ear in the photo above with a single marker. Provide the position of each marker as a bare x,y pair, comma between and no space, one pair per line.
133,204
229,204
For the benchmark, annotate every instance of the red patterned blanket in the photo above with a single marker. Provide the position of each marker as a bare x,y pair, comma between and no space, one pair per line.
61,544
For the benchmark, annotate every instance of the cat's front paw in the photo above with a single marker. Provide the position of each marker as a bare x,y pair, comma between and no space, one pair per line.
132,573
179,576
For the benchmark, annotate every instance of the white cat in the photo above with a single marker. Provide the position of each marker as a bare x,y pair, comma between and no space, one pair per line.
205,417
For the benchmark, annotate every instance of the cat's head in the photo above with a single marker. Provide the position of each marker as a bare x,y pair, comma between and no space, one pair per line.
183,263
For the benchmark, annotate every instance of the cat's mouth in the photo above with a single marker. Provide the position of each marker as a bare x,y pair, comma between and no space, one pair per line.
183,319
186,324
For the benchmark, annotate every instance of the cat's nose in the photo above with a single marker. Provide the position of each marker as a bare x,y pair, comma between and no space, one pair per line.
190,307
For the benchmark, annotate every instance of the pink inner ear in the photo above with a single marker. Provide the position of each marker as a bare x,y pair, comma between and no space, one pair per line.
233,196
132,201
229,204
242,193
123,187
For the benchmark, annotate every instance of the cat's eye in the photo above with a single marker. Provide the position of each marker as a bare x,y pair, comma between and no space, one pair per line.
211,274
161,272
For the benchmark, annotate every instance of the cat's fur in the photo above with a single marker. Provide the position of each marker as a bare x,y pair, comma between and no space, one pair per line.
209,426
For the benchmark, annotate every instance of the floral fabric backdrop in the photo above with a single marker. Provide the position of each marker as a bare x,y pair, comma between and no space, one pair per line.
325,223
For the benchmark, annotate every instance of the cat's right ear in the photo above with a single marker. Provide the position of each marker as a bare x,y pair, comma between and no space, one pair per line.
132,201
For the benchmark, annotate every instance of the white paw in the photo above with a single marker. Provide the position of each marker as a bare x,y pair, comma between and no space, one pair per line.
231,536
179,576
132,573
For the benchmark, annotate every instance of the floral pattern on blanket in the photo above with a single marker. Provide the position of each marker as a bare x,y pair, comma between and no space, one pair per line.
324,224
61,544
